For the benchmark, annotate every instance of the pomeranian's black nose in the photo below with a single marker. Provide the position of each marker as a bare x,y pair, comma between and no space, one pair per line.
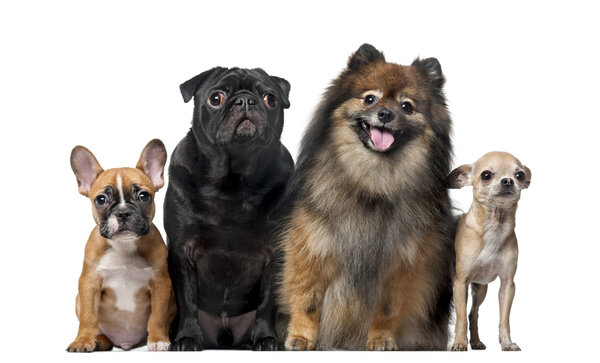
385,115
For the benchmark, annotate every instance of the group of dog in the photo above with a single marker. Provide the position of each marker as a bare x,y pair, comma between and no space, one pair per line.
354,247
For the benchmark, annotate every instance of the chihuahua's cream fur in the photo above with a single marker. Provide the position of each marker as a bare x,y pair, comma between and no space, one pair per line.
486,244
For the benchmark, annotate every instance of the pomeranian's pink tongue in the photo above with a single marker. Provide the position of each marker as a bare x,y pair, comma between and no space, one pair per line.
382,138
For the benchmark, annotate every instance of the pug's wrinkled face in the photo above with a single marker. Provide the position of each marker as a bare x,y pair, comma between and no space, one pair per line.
236,105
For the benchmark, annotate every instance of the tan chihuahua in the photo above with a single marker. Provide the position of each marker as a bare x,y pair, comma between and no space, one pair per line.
486,244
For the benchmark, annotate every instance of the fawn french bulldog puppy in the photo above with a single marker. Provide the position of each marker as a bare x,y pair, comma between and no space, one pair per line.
124,289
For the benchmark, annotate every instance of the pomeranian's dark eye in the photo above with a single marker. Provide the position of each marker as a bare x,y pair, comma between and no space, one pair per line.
270,100
370,100
216,99
486,175
520,176
144,197
101,200
406,107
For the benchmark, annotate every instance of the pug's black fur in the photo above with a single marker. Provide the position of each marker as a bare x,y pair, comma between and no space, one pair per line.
227,177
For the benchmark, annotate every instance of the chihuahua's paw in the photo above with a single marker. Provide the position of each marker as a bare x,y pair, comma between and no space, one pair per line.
158,346
267,343
382,343
185,344
459,347
477,346
510,347
86,344
296,342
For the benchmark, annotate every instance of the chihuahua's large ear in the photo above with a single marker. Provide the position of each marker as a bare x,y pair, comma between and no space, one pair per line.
527,177
431,69
285,90
189,87
152,162
364,55
460,177
86,168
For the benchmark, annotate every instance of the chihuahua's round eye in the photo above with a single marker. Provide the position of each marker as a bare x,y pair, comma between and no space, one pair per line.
270,100
101,200
406,107
486,175
370,100
144,197
520,176
216,99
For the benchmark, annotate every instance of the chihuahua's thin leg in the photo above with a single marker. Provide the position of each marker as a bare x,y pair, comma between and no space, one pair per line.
505,296
478,293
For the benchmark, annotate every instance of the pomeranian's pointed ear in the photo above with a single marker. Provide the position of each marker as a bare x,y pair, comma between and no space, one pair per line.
285,90
189,87
431,69
364,55
86,168
152,162
460,177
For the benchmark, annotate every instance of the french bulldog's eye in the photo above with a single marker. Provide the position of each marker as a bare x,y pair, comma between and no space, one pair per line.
520,176
270,100
144,197
216,99
407,107
370,100
486,175
101,200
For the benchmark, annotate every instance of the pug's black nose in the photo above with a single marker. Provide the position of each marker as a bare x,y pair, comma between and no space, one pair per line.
385,115
507,182
245,101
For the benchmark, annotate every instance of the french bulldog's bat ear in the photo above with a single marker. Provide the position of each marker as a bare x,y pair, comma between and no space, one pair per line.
189,87
86,168
152,162
431,69
527,177
285,90
364,55
460,177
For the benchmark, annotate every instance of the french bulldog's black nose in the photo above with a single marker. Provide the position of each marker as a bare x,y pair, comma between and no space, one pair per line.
245,101
385,115
507,182
122,216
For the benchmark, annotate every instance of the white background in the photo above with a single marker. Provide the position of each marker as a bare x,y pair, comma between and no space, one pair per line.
520,77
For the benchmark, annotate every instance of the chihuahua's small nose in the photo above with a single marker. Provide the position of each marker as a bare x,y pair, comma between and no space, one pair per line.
507,182
385,115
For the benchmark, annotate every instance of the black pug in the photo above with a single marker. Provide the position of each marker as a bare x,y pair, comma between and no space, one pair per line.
227,178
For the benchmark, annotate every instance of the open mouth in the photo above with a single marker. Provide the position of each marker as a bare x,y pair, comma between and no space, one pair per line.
381,137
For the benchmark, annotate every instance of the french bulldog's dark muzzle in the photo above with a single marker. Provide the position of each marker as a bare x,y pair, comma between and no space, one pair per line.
123,220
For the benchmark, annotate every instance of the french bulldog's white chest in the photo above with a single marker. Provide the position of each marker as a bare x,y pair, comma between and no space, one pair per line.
125,272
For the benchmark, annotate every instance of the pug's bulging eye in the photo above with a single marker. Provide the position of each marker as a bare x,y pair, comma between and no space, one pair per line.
216,99
520,176
486,175
270,100
101,200
407,107
370,100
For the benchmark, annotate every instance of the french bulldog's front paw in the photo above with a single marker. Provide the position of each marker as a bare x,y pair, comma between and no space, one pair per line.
382,343
296,342
185,344
268,344
158,346
85,344
477,346
510,347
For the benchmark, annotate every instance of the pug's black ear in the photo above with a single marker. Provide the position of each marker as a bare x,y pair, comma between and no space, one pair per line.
364,55
431,69
285,90
189,88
